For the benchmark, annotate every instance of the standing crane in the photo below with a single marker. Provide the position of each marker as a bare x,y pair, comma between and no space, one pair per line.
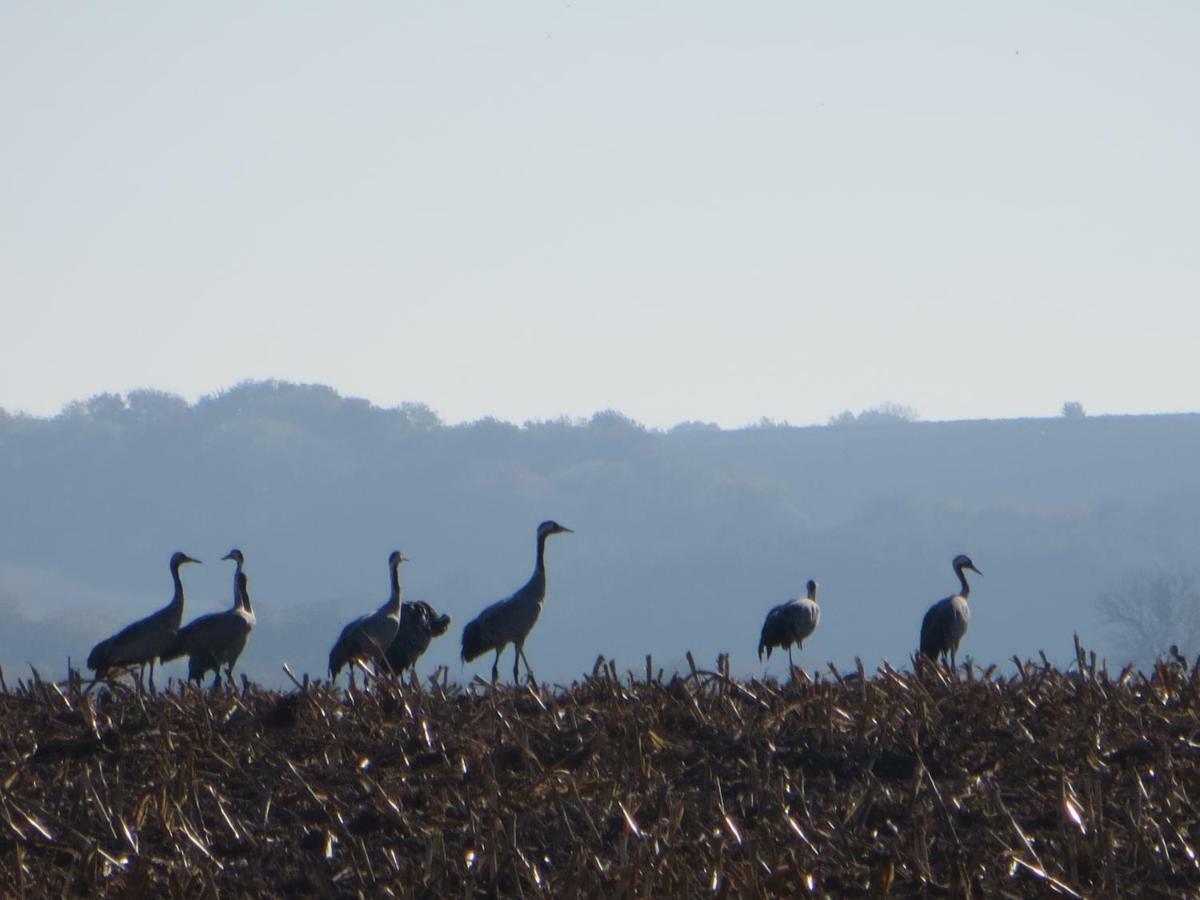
419,624
509,621
145,640
790,623
946,621
368,637
217,639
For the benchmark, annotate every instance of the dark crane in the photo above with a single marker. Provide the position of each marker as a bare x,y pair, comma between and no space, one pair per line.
509,621
790,623
946,621
145,640
368,637
217,639
419,624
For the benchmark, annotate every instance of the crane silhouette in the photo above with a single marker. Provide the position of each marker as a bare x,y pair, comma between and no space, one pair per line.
217,639
419,624
509,621
145,640
368,637
790,623
946,621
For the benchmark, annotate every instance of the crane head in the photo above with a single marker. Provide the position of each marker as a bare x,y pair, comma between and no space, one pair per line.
236,556
426,617
812,590
179,558
551,527
396,558
962,561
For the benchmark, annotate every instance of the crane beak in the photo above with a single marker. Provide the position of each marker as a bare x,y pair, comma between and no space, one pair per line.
975,570
227,556
189,559
566,529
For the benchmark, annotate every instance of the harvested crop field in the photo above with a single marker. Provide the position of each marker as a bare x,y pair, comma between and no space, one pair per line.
884,784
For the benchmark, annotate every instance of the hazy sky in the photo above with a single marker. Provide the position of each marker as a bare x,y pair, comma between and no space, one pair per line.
675,210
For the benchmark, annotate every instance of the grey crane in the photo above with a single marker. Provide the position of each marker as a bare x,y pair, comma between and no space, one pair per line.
368,637
946,621
217,639
509,621
419,624
790,623
145,640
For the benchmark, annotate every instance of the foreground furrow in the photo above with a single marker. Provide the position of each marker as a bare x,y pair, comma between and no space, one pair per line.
1044,783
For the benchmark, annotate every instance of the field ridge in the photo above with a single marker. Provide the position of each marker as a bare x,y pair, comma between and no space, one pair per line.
863,784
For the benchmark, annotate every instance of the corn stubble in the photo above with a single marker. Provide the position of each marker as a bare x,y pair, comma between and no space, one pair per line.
1037,784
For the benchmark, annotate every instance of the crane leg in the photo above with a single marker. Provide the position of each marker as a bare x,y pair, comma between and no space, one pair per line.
528,670
791,663
496,667
954,660
516,663
385,665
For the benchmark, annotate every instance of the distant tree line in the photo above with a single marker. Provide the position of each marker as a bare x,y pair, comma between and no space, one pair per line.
689,533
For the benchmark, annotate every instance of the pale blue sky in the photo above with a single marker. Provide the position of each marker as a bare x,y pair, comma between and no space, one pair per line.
675,210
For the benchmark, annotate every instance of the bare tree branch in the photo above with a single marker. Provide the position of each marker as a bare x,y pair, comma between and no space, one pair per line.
1151,610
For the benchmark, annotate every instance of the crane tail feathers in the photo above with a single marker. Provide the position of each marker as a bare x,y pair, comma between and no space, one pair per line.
98,658
930,645
200,664
929,641
472,642
174,650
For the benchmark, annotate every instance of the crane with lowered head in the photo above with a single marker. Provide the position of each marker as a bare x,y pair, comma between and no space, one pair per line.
419,624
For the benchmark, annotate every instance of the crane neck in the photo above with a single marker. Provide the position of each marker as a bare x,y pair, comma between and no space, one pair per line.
241,592
177,597
393,604
964,588
238,588
540,566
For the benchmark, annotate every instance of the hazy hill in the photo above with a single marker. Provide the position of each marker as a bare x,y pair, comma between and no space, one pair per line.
684,538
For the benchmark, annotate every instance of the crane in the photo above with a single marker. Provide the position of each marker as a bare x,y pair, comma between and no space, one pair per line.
946,621
217,639
419,624
509,621
369,636
790,623
145,640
